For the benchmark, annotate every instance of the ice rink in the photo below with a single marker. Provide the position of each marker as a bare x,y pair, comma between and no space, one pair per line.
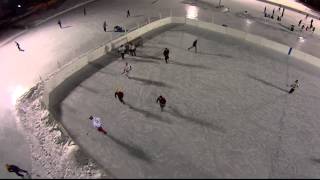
228,113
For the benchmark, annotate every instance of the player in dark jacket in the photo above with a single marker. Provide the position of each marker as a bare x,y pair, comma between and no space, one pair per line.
194,45
294,86
166,54
162,101
120,96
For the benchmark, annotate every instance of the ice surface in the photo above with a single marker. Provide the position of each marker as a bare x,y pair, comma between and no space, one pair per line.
48,48
228,112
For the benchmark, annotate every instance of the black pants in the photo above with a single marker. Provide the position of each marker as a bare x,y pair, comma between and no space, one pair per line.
291,90
20,170
166,58
121,100
195,47
122,55
162,106
134,52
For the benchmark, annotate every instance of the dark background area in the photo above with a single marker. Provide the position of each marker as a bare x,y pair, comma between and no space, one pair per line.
313,4
11,11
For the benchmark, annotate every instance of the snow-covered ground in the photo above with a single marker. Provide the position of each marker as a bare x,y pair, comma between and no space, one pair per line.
228,113
53,153
48,48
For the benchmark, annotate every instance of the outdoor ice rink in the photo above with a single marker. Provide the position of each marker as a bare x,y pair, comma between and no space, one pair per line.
228,113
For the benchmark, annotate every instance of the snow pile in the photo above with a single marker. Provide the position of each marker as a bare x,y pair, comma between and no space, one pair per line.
54,154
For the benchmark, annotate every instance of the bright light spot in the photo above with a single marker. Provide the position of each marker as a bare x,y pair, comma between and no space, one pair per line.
19,5
248,21
16,92
301,39
225,10
192,12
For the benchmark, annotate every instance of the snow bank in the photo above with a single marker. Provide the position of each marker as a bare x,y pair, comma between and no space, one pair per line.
54,154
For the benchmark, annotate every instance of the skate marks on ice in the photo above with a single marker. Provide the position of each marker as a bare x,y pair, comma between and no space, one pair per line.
267,83
175,112
90,89
148,114
132,149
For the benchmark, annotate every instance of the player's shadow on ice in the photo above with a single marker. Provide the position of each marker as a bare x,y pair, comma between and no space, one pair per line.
138,15
149,114
188,65
267,83
132,149
218,54
64,27
150,82
149,57
175,112
143,60
315,160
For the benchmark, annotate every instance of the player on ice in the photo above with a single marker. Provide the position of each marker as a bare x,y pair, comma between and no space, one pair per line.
120,96
127,69
194,45
18,46
60,24
162,101
96,122
122,51
294,86
16,169
166,54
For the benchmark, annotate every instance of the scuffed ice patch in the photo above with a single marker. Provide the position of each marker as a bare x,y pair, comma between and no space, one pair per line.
54,154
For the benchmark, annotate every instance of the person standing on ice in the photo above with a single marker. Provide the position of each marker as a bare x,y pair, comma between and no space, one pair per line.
127,69
166,54
122,51
120,96
16,169
194,45
299,22
96,122
162,101
294,86
60,24
105,26
282,12
132,49
128,13
18,46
